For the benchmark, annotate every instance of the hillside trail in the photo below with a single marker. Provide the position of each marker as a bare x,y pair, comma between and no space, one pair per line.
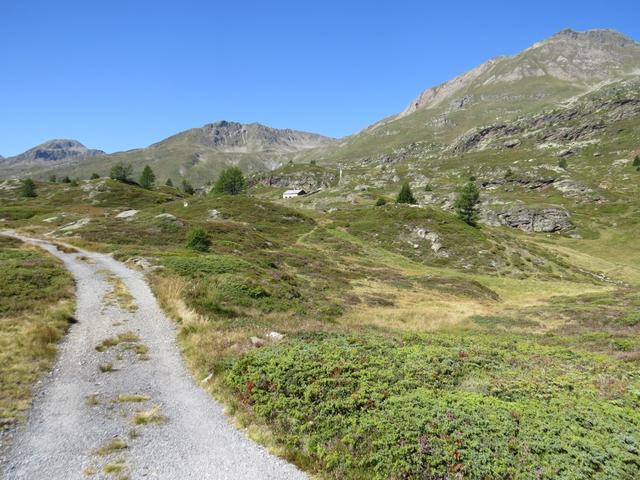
131,410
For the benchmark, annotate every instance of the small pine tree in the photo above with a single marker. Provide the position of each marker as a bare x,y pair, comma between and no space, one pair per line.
66,179
74,182
508,175
147,178
562,163
53,179
381,201
428,188
405,195
187,187
94,176
231,181
636,161
169,182
466,203
198,240
121,171
28,188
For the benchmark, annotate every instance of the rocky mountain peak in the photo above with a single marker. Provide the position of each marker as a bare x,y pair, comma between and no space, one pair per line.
238,137
606,37
55,151
581,59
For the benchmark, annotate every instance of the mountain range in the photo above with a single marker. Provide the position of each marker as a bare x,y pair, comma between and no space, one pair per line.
556,73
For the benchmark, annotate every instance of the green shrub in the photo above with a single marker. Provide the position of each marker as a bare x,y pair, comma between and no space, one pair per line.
28,188
147,178
187,187
466,203
562,163
231,181
121,171
405,195
381,201
197,239
95,176
200,266
169,182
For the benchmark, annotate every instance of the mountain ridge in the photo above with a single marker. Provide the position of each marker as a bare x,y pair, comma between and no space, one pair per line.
550,73
53,151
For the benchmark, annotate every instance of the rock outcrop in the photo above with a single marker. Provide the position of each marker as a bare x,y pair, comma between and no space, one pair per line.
305,180
548,220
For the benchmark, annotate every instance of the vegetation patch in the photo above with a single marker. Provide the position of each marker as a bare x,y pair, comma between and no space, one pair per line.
106,367
147,417
119,294
112,446
36,305
442,406
131,398
126,337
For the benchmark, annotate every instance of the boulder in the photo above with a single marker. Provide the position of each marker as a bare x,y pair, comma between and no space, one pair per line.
127,214
275,336
551,219
166,216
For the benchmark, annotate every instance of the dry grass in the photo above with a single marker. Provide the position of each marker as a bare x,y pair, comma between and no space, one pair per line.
414,310
147,417
131,398
63,247
119,294
112,446
106,367
33,318
85,259
115,467
170,293
126,337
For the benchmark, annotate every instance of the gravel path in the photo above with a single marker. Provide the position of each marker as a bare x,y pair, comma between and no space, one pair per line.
77,410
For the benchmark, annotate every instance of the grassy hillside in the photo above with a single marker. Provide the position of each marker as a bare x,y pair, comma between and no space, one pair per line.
529,366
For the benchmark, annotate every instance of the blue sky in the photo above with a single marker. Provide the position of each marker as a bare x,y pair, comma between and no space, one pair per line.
123,74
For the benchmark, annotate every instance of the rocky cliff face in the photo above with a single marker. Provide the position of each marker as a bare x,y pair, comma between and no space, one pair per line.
54,151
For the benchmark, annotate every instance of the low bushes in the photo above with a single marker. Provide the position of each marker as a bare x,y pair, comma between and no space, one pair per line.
445,406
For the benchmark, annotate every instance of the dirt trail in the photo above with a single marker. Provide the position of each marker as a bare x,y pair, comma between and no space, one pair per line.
78,409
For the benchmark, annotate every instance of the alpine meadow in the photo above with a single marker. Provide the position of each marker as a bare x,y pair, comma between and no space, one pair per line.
449,293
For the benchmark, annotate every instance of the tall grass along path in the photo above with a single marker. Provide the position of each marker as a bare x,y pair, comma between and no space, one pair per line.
84,408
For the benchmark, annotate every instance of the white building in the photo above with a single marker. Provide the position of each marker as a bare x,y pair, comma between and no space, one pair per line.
293,193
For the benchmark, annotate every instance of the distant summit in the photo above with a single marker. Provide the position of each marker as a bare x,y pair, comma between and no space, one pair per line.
58,150
238,137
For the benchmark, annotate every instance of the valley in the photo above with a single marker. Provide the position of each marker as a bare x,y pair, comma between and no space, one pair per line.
350,332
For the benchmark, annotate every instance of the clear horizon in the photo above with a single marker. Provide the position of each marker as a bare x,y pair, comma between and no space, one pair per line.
120,76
